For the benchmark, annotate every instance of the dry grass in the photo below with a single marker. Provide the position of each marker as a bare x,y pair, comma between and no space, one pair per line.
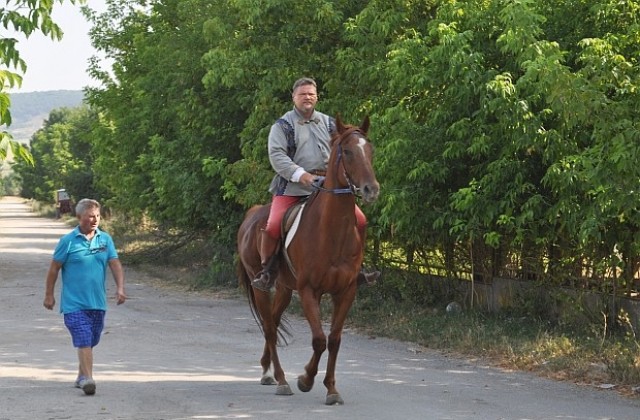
564,352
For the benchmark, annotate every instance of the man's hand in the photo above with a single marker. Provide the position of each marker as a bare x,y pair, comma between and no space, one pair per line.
120,297
307,179
49,302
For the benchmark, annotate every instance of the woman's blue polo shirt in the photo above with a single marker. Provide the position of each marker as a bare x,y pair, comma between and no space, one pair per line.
84,270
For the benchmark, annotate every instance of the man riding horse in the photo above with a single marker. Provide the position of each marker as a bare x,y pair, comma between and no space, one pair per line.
299,149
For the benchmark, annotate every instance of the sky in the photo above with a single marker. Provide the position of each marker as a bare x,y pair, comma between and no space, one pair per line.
59,65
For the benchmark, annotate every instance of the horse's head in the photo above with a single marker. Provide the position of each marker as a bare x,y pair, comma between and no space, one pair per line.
351,160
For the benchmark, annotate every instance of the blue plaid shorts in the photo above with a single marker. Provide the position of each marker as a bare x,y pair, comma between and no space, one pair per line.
85,327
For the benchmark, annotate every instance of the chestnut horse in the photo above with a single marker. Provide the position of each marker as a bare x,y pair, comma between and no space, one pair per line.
324,257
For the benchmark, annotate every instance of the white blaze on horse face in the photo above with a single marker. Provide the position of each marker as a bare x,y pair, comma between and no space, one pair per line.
362,142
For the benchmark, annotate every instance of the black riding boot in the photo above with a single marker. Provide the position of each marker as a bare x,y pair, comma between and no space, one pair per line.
268,253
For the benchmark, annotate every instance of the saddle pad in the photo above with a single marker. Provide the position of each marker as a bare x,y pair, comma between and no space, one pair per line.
292,221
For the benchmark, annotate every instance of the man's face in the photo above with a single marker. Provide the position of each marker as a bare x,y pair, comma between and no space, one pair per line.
305,98
89,220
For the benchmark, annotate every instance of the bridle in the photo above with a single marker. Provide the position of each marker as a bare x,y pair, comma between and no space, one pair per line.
351,187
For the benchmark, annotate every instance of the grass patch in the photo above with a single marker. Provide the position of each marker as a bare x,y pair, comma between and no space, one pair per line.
510,340
45,209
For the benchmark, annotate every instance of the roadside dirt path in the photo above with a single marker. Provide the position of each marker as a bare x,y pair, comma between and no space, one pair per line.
171,354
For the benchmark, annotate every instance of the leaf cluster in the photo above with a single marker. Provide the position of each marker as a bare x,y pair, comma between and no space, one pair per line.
26,17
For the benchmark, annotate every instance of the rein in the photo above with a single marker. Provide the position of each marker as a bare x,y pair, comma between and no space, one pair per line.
350,189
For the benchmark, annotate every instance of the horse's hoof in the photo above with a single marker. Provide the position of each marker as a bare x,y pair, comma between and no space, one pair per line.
267,380
284,390
334,399
302,386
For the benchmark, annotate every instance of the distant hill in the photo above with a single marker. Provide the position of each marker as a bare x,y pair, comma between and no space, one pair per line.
30,110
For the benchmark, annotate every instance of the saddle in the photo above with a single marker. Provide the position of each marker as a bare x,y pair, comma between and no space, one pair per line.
292,216
290,224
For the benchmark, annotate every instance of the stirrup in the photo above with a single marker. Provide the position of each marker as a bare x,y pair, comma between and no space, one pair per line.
262,281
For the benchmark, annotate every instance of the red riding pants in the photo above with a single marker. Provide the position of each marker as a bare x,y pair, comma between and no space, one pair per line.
281,203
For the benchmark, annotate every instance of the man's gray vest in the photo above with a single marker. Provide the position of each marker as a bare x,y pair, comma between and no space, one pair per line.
290,135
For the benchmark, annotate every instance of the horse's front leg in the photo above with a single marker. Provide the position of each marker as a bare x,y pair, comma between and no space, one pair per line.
341,305
311,307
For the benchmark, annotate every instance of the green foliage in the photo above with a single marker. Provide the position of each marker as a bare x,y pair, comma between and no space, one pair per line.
25,16
162,153
508,339
506,131
504,138
256,51
9,184
62,155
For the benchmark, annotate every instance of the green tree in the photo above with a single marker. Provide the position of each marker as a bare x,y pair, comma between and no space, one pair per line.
25,16
506,130
169,138
63,157
487,113
257,50
379,64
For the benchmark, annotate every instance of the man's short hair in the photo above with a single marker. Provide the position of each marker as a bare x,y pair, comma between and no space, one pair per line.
303,81
86,204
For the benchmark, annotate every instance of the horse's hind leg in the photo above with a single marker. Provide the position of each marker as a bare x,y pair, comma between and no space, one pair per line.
265,361
270,329
281,301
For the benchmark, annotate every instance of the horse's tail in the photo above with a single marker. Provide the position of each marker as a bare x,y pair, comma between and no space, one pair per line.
244,281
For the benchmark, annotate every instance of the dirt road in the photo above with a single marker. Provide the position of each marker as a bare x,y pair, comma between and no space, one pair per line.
170,354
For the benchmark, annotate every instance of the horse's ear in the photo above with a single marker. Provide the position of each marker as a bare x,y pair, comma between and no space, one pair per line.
339,124
365,125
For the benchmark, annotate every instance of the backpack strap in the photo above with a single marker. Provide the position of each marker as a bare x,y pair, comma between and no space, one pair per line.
289,135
